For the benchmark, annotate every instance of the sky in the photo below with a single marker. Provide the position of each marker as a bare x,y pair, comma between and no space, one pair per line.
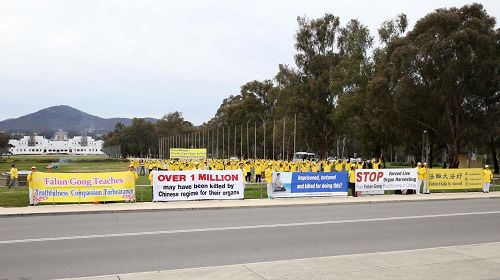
147,58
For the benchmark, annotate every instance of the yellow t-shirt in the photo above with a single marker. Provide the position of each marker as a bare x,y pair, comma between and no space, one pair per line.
269,174
314,167
304,167
487,176
134,174
327,167
150,177
30,178
13,173
352,178
422,173
338,166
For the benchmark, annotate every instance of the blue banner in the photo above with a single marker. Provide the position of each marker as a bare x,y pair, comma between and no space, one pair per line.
288,184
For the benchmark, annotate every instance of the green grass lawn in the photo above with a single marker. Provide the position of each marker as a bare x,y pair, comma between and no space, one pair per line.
64,163
14,197
18,197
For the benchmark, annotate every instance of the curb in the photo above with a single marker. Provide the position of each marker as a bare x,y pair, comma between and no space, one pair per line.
112,211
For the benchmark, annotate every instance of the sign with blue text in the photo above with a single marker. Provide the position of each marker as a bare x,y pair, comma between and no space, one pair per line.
297,184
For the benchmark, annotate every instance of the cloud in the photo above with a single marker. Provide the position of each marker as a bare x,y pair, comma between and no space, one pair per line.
149,58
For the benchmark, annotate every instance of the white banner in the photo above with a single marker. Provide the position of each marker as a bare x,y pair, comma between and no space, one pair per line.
197,185
386,179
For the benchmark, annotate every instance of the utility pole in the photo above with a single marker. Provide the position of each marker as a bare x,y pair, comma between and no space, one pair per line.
284,121
294,131
248,146
255,142
274,134
264,126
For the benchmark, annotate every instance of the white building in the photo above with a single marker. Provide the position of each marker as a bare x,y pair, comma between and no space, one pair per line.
38,145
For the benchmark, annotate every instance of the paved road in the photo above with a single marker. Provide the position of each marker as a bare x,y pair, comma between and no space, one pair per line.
44,247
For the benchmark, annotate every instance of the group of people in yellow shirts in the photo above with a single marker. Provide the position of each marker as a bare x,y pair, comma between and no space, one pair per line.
253,170
264,168
14,176
256,170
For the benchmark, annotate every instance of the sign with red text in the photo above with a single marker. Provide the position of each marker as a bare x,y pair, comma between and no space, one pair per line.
197,185
386,179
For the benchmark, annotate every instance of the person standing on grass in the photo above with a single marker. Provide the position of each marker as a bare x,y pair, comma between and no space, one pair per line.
143,167
258,171
487,178
13,176
247,171
30,176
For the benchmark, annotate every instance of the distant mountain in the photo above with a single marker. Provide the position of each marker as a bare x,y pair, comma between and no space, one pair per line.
62,117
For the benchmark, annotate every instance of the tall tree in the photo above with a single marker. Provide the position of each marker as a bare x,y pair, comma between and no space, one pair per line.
350,78
444,63
4,143
172,124
315,42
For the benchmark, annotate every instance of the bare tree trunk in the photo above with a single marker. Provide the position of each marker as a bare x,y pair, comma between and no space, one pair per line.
453,118
431,152
343,145
493,151
325,142
338,146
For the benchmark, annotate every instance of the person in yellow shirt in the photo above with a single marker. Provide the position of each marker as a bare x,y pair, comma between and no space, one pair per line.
424,180
247,171
150,177
269,179
286,166
327,166
136,164
421,172
132,172
487,178
30,176
359,165
352,180
280,167
338,166
303,167
13,176
258,171
314,166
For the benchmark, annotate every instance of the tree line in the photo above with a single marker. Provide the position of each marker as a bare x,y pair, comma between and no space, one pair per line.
429,93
